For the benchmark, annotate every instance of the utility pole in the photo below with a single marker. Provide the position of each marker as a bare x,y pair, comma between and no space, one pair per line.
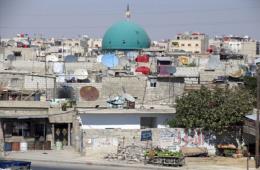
257,116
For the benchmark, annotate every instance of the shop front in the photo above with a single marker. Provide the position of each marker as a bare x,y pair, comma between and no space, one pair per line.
22,134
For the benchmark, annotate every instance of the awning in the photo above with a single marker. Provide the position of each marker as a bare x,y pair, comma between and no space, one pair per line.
66,117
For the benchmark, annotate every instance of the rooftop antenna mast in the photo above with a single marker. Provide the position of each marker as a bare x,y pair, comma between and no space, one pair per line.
128,13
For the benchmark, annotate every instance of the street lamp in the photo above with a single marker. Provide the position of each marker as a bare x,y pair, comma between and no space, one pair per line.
257,114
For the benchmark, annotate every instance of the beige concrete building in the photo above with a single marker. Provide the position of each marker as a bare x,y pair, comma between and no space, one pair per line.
236,45
190,42
248,48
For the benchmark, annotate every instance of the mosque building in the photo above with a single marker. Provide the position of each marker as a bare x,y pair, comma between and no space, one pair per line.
125,36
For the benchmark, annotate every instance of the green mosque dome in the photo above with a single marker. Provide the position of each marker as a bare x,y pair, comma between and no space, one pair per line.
125,35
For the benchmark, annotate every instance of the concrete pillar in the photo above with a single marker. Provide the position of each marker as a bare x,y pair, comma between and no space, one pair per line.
76,134
53,135
69,134
2,141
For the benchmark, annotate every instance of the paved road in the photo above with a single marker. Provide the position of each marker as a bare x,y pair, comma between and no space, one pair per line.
65,166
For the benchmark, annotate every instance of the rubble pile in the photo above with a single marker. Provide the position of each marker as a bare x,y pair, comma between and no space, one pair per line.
129,153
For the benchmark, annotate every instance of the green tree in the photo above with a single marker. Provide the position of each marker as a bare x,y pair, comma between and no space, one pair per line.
214,110
250,84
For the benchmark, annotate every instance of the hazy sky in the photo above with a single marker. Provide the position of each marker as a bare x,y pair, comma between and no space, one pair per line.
160,18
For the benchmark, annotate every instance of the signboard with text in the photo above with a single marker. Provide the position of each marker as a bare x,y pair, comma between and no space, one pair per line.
146,135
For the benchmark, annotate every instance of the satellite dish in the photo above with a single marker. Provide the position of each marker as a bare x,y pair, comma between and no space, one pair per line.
110,60
89,93
257,61
129,97
70,59
52,58
81,74
99,58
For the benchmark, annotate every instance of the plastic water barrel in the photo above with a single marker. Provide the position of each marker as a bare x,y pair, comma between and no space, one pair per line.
15,146
8,146
59,145
23,146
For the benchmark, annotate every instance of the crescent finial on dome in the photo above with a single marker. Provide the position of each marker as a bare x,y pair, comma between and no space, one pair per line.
128,13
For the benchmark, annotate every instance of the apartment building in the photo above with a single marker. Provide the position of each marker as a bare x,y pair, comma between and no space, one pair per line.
190,42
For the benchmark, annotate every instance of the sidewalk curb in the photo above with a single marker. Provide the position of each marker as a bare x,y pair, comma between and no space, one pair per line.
143,166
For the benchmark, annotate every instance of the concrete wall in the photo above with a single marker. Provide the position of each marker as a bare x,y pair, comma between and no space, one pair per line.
249,49
119,121
12,81
36,82
101,142
132,85
27,53
135,86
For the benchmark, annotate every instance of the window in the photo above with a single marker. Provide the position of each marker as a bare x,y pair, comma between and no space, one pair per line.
17,53
189,45
14,82
17,128
182,45
175,44
148,122
196,45
153,82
